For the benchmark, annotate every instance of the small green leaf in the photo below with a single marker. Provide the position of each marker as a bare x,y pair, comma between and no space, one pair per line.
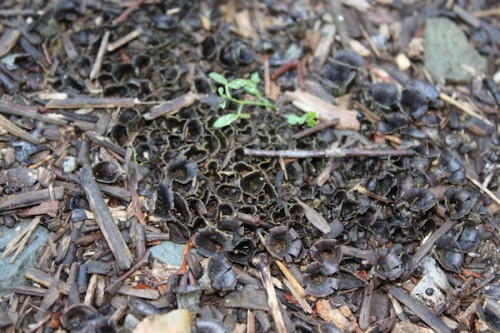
293,119
222,104
311,119
220,90
255,78
251,90
237,84
218,78
225,120
244,115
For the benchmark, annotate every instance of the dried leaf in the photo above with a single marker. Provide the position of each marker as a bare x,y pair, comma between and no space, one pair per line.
315,218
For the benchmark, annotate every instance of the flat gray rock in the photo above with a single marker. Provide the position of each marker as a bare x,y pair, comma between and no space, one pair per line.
447,50
168,253
13,274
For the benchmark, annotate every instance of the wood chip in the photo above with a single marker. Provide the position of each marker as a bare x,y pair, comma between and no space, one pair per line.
315,218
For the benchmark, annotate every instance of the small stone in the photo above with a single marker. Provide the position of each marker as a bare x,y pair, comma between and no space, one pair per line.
447,52
403,62
359,48
168,253
69,164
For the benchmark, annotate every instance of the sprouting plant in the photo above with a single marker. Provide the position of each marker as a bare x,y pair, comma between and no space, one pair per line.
248,86
308,118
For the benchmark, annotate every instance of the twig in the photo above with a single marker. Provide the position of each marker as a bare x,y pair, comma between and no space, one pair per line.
335,152
104,219
300,299
429,244
31,198
17,12
289,66
463,108
100,56
265,275
126,13
487,13
125,39
12,128
317,128
286,272
31,113
106,143
90,102
420,310
172,106
337,13
484,189
20,240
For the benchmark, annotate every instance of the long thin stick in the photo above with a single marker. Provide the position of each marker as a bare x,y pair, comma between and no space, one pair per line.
336,152
100,56
12,128
317,128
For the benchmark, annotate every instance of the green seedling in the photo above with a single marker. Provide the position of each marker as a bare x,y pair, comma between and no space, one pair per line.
308,118
248,86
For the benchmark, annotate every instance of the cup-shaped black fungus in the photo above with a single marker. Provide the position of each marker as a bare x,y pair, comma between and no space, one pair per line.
123,71
469,237
385,95
220,273
210,326
178,232
228,192
325,253
242,251
209,241
278,242
413,102
451,259
252,183
119,133
389,265
418,200
318,282
83,318
339,74
106,172
393,122
454,169
182,170
208,48
459,201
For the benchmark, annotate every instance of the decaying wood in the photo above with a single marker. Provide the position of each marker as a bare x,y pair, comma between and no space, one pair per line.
419,309
45,279
104,219
172,106
32,198
333,316
30,113
20,240
308,102
125,39
13,129
106,143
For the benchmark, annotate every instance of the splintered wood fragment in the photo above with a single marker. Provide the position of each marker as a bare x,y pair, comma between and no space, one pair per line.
89,294
13,129
96,68
315,218
104,219
49,208
9,40
300,299
45,279
31,291
364,313
69,47
31,113
423,312
125,39
20,240
265,275
115,285
333,316
106,143
429,244
405,327
17,12
31,198
132,7
292,280
91,103
466,16
463,108
336,11
173,106
51,295
308,102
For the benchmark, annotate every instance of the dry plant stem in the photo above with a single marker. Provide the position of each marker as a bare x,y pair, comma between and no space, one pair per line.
106,143
337,13
173,106
13,129
96,69
419,309
336,152
125,39
265,275
300,299
104,219
484,189
132,186
429,244
314,129
293,281
17,12
463,108
288,67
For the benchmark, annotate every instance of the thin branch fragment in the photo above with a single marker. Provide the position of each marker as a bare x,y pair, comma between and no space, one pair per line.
13,129
314,129
335,152
125,39
89,102
96,69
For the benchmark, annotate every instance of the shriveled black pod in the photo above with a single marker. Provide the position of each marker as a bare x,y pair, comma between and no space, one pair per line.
339,73
209,241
